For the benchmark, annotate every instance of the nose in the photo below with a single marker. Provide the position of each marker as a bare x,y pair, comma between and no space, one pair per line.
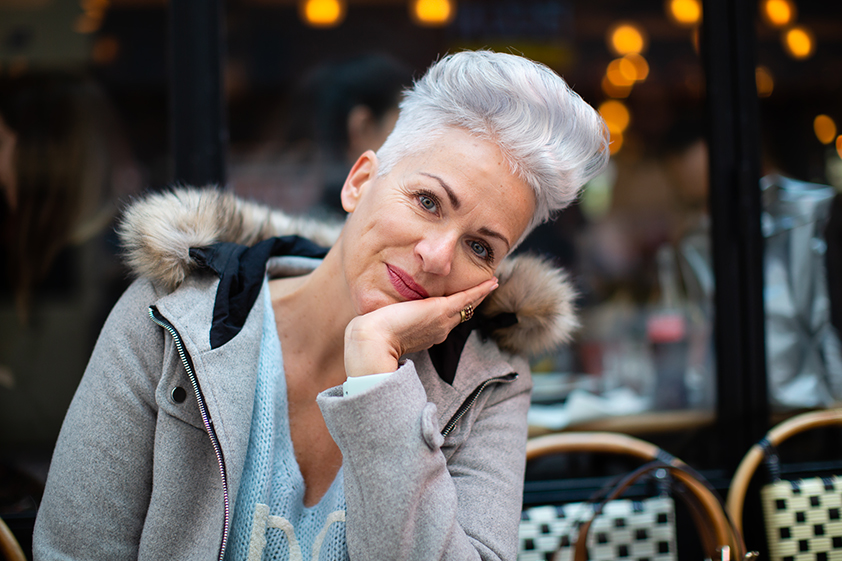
436,250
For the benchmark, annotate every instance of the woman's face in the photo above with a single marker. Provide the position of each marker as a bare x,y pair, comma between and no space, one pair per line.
438,223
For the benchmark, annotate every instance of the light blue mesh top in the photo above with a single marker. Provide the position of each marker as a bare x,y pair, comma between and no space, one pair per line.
270,520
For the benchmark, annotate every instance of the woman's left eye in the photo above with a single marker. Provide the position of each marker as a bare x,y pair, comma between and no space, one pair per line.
480,250
428,203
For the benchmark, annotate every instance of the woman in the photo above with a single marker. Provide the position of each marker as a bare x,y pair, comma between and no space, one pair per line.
262,400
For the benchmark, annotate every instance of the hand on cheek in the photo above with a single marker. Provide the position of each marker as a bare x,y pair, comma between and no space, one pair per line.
374,342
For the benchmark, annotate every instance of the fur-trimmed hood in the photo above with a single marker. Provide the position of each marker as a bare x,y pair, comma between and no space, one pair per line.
157,232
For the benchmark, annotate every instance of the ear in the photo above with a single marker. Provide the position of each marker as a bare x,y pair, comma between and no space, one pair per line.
362,173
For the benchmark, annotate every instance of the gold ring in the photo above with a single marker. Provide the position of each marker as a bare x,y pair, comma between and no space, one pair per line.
466,313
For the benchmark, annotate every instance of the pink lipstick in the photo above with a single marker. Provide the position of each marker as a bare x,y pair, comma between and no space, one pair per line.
405,284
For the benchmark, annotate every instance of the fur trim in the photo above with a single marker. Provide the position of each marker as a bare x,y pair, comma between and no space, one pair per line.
542,298
158,231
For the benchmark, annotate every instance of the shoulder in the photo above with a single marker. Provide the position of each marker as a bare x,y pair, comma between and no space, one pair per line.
130,331
131,312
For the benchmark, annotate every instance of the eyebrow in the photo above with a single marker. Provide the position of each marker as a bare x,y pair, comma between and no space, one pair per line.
493,234
454,201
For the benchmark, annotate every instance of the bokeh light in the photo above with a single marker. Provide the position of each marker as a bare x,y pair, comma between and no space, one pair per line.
641,66
433,12
685,12
839,145
626,38
765,82
616,115
778,13
825,129
621,72
613,90
322,13
799,42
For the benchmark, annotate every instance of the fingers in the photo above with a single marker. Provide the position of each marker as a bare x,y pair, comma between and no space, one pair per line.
404,327
460,301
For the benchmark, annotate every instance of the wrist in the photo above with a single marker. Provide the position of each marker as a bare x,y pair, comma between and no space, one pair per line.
367,353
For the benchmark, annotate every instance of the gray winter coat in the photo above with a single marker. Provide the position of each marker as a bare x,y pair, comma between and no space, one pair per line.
151,452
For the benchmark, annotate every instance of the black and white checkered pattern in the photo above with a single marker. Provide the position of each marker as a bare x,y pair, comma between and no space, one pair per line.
804,519
635,530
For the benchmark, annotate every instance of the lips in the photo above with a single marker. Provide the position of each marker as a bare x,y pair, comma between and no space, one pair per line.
405,285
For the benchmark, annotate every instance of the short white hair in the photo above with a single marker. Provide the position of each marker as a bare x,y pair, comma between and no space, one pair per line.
552,138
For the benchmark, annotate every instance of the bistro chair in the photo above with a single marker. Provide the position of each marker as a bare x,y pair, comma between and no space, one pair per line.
802,516
9,546
615,526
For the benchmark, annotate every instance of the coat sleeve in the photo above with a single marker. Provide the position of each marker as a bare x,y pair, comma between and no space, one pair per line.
98,487
405,500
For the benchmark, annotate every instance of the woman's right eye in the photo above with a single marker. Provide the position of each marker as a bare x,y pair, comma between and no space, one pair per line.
428,202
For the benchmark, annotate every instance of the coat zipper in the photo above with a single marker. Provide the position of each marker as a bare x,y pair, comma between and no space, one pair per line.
466,406
206,420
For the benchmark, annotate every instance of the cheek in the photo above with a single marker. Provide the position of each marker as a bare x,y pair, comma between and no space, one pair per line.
468,275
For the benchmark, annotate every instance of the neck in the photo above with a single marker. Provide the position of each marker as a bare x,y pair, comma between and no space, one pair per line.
311,313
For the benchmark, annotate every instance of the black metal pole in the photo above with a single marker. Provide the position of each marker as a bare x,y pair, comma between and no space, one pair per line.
728,51
199,133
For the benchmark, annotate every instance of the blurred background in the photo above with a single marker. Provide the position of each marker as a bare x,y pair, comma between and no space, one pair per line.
706,257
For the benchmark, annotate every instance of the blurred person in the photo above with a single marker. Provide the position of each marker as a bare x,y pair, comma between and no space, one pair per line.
344,108
657,199
63,162
686,162
340,109
254,396
60,154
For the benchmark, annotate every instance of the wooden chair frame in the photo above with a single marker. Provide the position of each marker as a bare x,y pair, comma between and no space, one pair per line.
9,546
614,443
755,455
